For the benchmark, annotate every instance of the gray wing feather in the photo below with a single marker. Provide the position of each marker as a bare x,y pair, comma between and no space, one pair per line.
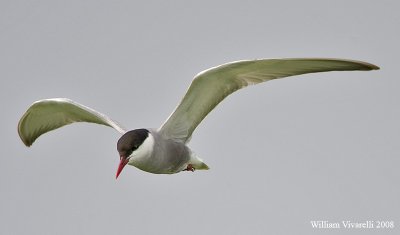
49,114
211,86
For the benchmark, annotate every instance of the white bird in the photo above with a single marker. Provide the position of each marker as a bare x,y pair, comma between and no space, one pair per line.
164,150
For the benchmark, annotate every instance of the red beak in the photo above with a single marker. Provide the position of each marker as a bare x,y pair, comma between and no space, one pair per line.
122,164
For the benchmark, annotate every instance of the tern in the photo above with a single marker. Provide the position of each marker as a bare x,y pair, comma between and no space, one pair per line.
164,150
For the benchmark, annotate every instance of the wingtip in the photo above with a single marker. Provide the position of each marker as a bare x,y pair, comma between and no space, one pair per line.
27,138
20,134
371,66
27,142
368,66
362,65
375,67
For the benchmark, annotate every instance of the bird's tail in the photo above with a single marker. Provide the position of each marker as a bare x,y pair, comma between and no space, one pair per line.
197,163
201,166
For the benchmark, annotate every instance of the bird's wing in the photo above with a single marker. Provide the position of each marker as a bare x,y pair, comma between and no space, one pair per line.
211,86
49,114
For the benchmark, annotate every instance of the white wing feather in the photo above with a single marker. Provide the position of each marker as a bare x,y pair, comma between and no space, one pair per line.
49,114
211,86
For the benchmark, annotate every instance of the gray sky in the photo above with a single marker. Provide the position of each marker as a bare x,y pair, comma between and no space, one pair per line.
313,147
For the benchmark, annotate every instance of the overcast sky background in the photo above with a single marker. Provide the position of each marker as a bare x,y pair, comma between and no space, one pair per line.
313,147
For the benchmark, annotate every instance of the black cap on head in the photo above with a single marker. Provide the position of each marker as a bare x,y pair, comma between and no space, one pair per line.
130,141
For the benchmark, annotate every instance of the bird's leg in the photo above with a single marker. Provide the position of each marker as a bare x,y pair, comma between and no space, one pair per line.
189,168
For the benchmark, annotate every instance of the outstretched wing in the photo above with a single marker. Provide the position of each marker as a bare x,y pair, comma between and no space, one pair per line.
49,114
211,86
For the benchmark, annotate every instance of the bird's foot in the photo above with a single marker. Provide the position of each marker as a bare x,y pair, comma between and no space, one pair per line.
189,168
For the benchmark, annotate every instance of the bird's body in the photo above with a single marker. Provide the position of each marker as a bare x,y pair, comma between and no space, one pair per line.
160,155
164,150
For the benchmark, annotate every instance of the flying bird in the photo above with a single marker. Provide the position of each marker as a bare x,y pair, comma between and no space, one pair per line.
164,150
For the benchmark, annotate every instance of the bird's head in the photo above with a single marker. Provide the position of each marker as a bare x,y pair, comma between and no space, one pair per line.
128,144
